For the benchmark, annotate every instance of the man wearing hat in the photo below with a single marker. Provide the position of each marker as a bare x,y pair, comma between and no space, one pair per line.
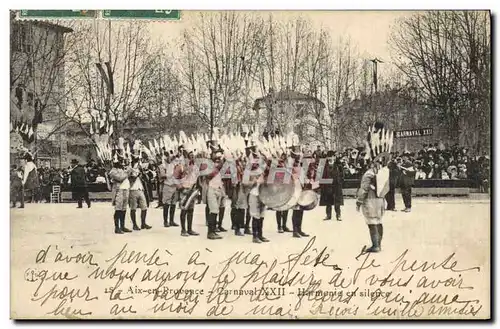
187,192
79,183
216,195
160,172
137,197
120,190
31,180
332,194
170,194
407,179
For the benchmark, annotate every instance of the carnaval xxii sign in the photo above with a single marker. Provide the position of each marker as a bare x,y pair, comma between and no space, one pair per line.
413,133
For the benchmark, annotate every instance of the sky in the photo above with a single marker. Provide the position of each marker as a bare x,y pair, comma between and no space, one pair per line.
368,30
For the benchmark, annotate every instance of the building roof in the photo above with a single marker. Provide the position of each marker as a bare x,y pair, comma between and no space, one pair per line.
285,95
46,24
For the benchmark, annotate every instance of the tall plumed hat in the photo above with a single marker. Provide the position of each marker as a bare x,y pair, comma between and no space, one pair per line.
379,142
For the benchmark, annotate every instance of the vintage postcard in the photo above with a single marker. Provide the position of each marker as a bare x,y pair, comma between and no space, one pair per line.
173,164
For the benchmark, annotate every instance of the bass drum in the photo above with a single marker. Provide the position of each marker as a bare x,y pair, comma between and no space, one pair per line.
279,193
292,202
308,200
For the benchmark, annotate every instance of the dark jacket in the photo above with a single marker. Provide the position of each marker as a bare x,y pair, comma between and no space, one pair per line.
407,177
78,177
331,194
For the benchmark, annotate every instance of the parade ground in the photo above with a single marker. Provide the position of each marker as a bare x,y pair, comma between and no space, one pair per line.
442,231
457,224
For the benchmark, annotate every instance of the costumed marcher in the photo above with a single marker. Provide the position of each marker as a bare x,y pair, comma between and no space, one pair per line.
308,183
79,183
120,194
282,215
406,180
31,180
188,193
170,194
137,197
239,200
160,178
375,184
332,194
216,196
257,211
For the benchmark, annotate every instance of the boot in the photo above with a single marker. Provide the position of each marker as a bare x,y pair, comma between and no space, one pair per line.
221,218
233,216
207,215
299,223
183,223
380,231
165,215
116,219
143,220
247,222
190,222
295,224
123,213
212,224
172,214
375,239
261,224
134,222
255,230
278,221
284,217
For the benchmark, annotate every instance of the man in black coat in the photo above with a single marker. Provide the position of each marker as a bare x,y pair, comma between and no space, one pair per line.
393,179
406,180
331,194
79,183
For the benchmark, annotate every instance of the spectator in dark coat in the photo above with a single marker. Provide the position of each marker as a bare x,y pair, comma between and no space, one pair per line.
79,183
406,181
16,186
393,178
331,194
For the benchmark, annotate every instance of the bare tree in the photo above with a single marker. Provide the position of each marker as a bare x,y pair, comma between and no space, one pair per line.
446,55
111,64
222,53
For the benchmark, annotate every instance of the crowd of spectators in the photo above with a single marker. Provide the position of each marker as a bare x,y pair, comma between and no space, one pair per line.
432,161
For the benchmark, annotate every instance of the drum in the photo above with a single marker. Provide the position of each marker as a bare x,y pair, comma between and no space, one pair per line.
278,193
308,200
292,202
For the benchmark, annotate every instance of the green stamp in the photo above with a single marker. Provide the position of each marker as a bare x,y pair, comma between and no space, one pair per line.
28,13
156,14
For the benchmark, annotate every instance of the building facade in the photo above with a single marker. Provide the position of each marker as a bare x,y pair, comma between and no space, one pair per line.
37,89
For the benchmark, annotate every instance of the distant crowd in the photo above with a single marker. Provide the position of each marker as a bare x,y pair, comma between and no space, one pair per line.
430,162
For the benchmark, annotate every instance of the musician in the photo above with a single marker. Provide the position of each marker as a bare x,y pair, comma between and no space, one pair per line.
298,212
215,194
160,172
137,197
170,195
120,194
282,216
239,200
256,207
147,177
187,192
406,180
331,194
79,183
